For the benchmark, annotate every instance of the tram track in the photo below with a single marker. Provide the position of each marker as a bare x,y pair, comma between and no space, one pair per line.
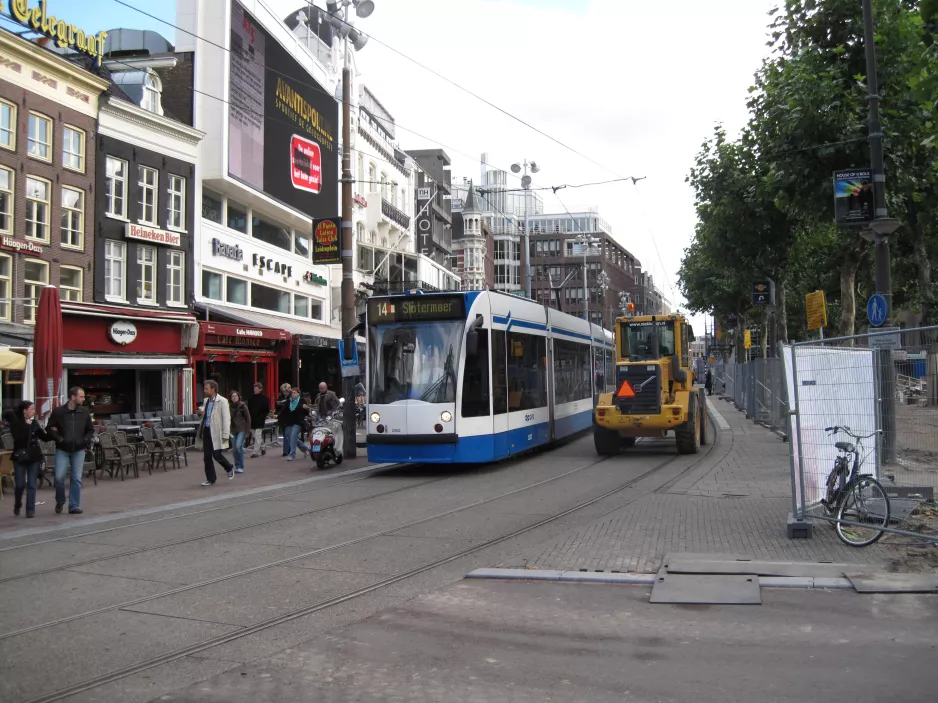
342,598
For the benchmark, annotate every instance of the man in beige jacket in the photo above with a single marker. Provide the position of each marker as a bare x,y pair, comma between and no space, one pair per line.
214,430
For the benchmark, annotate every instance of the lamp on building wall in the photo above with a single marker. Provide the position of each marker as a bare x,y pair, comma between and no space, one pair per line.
526,185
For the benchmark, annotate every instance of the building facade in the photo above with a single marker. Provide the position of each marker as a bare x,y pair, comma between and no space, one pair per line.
473,244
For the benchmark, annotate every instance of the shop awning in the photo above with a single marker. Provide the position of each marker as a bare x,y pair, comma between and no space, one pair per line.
11,361
260,319
183,317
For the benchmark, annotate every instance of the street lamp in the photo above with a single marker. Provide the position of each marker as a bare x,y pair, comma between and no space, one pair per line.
602,280
526,186
338,18
586,241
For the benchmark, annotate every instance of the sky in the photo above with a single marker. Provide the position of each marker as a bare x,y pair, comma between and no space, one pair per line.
633,86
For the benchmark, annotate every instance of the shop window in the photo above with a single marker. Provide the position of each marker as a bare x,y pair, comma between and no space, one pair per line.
237,217
212,285
315,310
7,178
39,143
475,385
211,206
177,203
116,187
148,183
499,373
35,276
114,270
6,285
146,277
301,306
301,244
38,193
271,233
7,125
237,291
73,218
175,273
267,298
70,283
527,377
73,148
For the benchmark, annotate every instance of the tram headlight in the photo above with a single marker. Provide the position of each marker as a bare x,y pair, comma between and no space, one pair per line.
446,416
375,417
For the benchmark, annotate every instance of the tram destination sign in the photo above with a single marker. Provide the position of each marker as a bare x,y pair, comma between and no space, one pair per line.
417,309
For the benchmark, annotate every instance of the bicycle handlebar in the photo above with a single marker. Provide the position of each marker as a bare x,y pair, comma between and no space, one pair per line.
846,430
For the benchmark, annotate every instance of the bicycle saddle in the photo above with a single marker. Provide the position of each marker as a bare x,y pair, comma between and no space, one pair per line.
845,447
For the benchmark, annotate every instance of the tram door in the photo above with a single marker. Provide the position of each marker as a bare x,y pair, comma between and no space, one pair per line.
499,355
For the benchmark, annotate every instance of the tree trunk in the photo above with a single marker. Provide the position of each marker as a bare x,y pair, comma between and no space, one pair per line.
923,265
848,279
782,313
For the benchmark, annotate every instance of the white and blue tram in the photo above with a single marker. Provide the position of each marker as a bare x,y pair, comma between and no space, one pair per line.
478,376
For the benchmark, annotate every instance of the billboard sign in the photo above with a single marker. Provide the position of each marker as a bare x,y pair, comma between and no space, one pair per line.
326,242
853,196
281,123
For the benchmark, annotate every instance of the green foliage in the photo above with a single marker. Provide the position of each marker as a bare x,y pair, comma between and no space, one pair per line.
765,200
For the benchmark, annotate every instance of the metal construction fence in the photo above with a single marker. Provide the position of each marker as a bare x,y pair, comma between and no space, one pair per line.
756,388
883,388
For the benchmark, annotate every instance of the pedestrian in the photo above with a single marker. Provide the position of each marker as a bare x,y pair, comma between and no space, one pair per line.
71,427
215,430
27,454
708,383
294,418
326,402
282,406
240,424
258,407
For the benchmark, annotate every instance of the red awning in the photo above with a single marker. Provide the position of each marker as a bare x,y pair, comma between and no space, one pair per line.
94,310
47,350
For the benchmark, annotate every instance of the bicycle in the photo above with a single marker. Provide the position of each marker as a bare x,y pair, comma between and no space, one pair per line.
859,500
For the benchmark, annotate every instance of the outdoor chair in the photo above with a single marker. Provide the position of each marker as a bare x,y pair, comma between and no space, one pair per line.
47,468
161,448
118,458
179,442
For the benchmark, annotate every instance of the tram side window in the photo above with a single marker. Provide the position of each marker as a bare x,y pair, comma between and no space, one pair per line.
475,380
572,372
527,377
499,373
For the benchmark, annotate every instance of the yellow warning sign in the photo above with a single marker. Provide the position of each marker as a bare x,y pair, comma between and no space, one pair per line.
816,306
747,340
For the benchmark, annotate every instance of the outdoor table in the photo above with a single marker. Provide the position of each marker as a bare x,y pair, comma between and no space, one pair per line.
190,423
144,420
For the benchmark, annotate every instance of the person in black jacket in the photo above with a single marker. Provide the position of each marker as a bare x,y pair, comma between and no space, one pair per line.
27,454
71,427
258,406
282,405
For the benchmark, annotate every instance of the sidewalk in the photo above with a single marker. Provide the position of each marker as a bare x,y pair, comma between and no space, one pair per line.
112,496
734,502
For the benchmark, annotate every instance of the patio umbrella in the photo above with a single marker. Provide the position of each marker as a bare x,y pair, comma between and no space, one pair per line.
11,361
47,346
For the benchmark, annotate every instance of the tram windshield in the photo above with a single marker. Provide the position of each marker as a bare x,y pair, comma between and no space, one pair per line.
414,361
637,342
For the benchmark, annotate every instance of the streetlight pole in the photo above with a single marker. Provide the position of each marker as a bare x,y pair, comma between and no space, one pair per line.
526,187
586,242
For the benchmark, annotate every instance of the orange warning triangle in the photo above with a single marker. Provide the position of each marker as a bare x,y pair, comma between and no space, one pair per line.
626,391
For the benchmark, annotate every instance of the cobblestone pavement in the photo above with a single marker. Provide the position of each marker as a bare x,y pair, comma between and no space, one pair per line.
735,502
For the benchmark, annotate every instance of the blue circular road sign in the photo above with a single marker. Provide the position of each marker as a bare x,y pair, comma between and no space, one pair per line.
877,309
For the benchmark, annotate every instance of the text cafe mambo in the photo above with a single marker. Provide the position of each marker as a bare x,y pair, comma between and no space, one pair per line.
240,355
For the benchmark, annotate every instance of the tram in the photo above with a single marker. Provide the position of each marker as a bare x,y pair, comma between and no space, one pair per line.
478,376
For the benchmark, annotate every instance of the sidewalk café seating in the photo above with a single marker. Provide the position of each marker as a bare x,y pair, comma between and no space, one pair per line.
148,450
179,442
162,448
141,452
7,441
110,426
148,415
117,457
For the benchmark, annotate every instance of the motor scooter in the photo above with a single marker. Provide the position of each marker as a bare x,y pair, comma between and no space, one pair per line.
327,438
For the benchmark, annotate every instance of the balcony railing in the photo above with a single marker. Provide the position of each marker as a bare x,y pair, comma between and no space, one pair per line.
394,214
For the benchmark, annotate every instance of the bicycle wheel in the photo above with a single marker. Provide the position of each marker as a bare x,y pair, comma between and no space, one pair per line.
866,504
831,499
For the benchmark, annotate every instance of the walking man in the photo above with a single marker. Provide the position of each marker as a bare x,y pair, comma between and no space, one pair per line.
326,402
215,429
71,427
258,407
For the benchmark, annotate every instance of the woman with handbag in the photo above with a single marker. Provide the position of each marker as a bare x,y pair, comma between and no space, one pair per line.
240,425
27,454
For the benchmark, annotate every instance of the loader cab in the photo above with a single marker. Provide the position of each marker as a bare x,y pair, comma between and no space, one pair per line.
655,339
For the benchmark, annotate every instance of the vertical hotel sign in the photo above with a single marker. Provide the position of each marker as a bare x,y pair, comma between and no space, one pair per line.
65,35
326,241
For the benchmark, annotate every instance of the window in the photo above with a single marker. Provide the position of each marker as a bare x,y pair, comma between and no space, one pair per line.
271,233
116,187
315,310
151,94
499,373
571,371
177,203
39,144
146,274
73,149
372,177
267,298
6,285
475,385
212,285
7,125
301,244
7,179
73,218
70,282
527,377
237,291
35,276
361,173
37,208
148,182
113,269
211,206
237,217
301,306
175,273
